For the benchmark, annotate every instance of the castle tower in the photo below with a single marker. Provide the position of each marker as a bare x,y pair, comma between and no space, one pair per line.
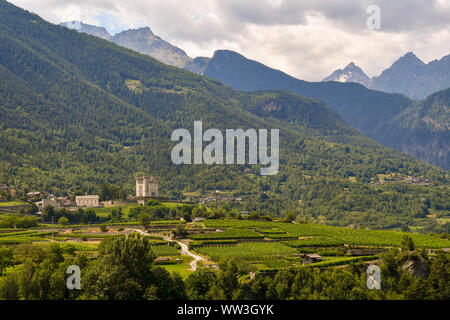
147,187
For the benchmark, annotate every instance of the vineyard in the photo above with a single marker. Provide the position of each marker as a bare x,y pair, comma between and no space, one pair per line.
165,251
233,233
247,250
314,242
346,235
266,245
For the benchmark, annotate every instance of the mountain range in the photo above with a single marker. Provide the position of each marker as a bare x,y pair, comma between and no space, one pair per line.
366,110
77,111
408,75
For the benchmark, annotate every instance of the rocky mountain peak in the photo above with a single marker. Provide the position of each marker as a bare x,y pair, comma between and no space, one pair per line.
351,73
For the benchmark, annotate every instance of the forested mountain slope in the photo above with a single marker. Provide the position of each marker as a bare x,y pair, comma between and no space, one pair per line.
77,111
422,129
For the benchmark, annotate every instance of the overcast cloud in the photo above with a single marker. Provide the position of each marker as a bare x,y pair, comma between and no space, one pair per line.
307,39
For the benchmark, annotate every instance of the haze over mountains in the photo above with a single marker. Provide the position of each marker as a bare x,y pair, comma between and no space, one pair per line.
408,75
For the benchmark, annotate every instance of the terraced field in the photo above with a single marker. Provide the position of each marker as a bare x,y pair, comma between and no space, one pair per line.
314,242
247,250
346,235
231,233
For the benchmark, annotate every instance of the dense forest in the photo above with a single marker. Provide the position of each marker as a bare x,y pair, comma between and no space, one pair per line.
77,112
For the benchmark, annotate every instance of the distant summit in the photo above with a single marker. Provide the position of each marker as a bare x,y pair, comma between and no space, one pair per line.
351,73
142,40
408,75
411,76
87,28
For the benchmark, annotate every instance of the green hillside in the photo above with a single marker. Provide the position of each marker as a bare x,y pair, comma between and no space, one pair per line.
77,111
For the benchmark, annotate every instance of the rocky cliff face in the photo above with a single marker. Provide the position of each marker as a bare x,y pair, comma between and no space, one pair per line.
144,41
87,28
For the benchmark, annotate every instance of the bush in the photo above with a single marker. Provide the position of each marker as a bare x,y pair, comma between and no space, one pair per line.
152,203
63,221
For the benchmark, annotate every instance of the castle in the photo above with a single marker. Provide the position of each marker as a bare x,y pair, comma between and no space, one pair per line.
147,187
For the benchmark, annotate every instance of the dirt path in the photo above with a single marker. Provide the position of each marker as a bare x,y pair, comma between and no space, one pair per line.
184,250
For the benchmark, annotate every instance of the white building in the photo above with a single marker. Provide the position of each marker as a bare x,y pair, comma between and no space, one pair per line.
89,201
147,187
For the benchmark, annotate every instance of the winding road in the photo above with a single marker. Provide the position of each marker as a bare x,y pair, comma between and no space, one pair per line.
184,250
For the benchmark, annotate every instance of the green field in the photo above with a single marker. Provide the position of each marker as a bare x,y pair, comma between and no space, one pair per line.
181,268
105,212
12,203
165,251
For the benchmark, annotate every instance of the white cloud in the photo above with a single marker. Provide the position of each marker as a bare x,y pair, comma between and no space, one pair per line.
308,39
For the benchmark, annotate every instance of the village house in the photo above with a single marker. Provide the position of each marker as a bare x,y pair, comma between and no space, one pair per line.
64,200
87,201
34,195
311,258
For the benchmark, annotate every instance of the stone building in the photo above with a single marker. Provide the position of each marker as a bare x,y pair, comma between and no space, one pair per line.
88,201
311,258
147,187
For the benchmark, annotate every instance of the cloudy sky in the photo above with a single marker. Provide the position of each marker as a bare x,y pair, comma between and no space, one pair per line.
305,38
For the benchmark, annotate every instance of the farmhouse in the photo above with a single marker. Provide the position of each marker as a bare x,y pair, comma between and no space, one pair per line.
88,201
311,258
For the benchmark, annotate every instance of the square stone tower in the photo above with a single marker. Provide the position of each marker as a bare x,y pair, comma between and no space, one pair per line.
147,187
